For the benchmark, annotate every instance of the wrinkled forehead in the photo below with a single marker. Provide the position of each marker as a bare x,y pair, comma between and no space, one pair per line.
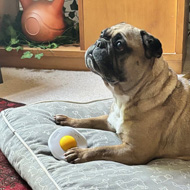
129,31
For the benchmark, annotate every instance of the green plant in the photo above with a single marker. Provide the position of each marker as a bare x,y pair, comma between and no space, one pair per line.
12,38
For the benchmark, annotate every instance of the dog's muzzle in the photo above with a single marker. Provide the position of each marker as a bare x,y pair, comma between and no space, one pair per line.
97,54
99,59
89,60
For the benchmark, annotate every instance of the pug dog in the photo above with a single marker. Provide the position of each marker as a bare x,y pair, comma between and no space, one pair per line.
151,108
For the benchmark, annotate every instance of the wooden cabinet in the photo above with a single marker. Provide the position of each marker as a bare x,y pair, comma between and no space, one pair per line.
166,20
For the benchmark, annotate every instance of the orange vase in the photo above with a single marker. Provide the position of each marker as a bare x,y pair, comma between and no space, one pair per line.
42,21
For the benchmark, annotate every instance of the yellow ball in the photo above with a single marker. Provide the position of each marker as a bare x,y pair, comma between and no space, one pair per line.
67,142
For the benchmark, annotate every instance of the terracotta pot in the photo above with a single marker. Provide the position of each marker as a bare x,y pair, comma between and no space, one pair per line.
42,21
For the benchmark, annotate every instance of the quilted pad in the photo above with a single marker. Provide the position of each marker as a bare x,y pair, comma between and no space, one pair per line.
24,134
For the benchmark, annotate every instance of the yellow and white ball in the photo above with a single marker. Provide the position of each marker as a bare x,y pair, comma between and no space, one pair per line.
64,138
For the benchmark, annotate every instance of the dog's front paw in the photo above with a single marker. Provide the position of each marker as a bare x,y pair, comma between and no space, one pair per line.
63,120
77,155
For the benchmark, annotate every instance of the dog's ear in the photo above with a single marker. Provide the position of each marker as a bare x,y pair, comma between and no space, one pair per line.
152,46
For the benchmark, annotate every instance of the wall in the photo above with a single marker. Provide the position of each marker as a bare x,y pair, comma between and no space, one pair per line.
189,21
10,7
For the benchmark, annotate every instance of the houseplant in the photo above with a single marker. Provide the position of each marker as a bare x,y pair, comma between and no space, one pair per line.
12,37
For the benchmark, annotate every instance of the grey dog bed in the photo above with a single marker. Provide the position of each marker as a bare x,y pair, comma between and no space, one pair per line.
24,134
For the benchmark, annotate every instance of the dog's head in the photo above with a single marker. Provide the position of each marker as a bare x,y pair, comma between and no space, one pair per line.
122,52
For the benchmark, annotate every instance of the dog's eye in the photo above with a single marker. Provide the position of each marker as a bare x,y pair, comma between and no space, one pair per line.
119,45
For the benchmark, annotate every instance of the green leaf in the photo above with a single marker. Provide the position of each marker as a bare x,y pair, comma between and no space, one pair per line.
53,46
19,48
14,41
27,55
11,31
39,55
42,46
9,48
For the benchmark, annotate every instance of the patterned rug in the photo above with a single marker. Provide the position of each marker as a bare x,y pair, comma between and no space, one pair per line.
9,178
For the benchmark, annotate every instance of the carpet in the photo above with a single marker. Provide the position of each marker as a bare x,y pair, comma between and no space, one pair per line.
31,86
9,178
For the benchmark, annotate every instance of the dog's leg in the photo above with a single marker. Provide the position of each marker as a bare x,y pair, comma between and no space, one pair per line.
94,123
119,153
123,153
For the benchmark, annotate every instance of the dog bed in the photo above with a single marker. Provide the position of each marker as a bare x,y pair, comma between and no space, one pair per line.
24,134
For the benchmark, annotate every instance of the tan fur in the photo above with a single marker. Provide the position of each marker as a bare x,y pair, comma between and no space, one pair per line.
150,113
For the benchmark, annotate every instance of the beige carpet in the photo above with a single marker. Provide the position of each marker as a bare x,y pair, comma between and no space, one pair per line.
30,86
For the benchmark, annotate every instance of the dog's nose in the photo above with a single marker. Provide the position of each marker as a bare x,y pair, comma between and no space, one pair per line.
101,43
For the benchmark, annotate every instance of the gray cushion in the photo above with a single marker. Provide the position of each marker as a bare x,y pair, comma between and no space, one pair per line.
24,134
